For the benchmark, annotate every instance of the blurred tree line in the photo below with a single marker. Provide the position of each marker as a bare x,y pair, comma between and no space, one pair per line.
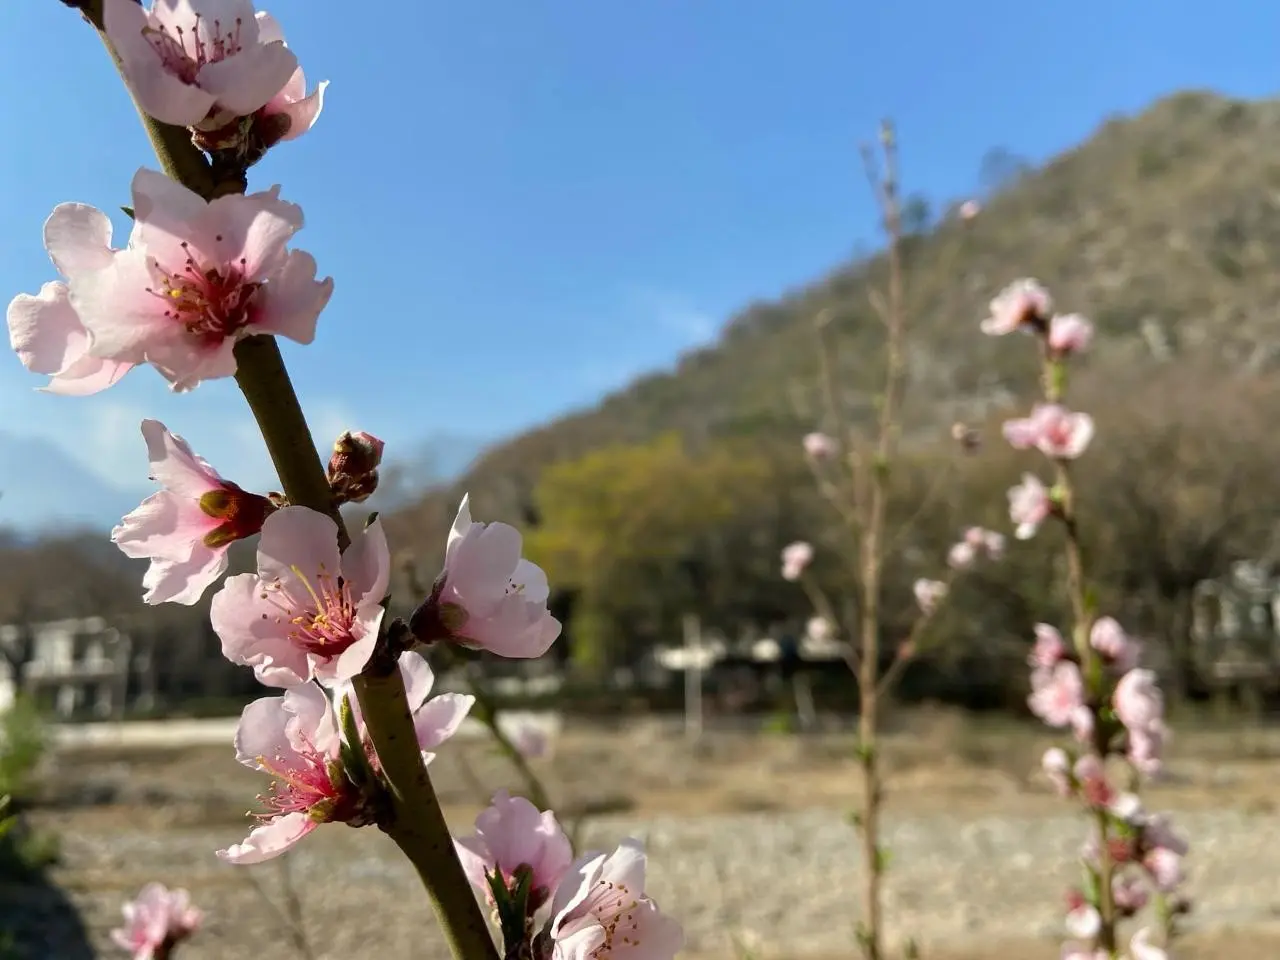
634,535
1178,486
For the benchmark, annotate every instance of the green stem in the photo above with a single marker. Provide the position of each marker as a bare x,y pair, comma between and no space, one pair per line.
417,824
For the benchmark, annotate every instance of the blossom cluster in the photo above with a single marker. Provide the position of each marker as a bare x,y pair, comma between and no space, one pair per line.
1092,685
196,277
520,860
156,921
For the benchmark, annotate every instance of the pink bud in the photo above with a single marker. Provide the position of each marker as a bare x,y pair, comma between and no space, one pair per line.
1116,647
819,446
1069,334
795,558
969,209
1022,303
1049,648
929,593
156,920
1029,505
1056,693
353,466
1057,767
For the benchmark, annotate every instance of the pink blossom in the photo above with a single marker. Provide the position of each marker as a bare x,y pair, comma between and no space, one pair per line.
820,629
976,542
795,557
969,209
46,331
1091,776
306,612
1129,893
1141,947
1138,703
1049,648
929,593
1146,748
962,556
600,910
1029,505
155,921
435,719
1022,303
1165,868
511,833
1069,333
186,528
819,446
1083,922
1052,429
196,278
295,738
48,336
1057,767
488,596
1127,807
1116,647
292,109
1082,724
1057,693
199,62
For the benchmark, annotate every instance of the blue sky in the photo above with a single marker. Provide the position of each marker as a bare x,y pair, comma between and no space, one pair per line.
526,204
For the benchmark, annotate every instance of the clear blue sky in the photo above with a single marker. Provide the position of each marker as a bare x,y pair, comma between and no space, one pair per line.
525,204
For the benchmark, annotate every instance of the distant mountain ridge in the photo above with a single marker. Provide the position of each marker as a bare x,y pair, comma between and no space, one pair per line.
1164,228
42,489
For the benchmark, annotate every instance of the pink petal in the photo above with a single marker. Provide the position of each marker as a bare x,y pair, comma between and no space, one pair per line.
302,111
583,944
418,678
298,539
237,616
125,322
352,660
254,228
183,581
366,564
269,840
160,94
45,330
269,30
440,717
78,238
476,861
86,376
245,82
626,866
163,525
262,732
174,465
314,723
167,215
293,298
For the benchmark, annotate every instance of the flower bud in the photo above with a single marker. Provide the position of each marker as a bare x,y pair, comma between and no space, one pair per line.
353,466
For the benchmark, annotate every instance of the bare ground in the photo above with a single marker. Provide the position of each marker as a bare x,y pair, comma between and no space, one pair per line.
749,843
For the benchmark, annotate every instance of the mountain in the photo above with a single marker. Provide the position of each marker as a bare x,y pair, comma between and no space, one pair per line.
42,489
1164,228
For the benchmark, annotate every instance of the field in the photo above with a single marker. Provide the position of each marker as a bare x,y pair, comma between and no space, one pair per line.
749,841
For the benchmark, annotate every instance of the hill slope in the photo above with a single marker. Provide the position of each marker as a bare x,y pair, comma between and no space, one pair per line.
1163,228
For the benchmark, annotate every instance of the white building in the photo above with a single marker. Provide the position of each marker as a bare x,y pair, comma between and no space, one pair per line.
75,667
